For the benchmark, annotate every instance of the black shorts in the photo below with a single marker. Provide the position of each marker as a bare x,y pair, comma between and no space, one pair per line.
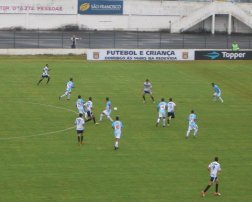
171,114
89,113
213,179
45,76
79,131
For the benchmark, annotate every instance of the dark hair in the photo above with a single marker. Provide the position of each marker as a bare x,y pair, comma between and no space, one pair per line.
80,115
216,158
212,84
192,111
107,98
162,99
90,98
71,79
79,96
117,118
170,99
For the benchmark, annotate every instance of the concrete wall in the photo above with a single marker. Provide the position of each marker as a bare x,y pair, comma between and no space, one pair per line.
138,15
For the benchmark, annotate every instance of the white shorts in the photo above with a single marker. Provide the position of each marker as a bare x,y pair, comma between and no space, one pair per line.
193,127
117,135
81,110
161,114
106,112
217,94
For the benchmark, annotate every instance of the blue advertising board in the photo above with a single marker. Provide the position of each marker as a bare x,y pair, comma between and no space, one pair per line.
102,7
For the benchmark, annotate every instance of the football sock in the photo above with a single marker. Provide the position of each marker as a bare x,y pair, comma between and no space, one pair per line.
163,122
101,116
152,98
216,187
116,144
78,138
81,139
68,96
48,80
144,97
208,186
187,133
94,120
110,118
221,99
195,132
39,81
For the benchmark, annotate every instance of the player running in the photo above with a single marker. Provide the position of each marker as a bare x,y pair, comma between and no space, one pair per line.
117,126
45,74
88,108
107,111
161,108
171,111
217,93
214,168
79,122
147,90
69,87
80,105
192,124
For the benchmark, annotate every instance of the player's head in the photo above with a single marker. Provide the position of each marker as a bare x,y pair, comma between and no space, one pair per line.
216,158
117,118
170,99
107,98
90,98
80,115
79,97
192,111
162,99
46,65
71,79
147,80
213,84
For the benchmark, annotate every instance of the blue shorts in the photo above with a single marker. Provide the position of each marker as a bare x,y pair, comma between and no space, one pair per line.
147,92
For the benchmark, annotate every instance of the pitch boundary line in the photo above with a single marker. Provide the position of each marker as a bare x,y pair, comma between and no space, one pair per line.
42,134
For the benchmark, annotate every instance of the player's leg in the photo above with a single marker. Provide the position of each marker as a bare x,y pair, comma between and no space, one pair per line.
117,138
219,97
158,119
101,116
81,138
48,79
144,97
188,131
203,193
109,117
78,137
68,95
64,95
168,119
195,130
40,80
164,120
152,97
217,193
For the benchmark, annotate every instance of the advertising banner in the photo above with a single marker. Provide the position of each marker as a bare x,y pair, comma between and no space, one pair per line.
140,54
100,7
38,6
223,55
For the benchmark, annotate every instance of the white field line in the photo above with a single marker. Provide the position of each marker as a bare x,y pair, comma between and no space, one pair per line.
47,133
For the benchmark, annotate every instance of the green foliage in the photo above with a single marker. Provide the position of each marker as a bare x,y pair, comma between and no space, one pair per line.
152,164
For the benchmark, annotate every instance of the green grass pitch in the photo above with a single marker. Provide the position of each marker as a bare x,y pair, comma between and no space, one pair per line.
152,164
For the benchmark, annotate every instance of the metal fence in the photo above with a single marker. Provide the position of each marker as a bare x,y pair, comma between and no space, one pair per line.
119,39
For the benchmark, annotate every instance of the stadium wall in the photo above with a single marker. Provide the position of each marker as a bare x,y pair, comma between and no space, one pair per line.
137,15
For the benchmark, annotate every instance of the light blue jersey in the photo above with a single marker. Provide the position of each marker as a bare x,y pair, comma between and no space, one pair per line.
162,106
192,119
80,103
217,89
69,86
117,126
108,106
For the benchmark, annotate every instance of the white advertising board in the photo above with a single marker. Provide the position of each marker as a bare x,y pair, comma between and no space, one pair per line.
38,6
140,54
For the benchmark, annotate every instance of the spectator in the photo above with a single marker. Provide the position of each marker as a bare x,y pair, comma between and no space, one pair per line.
74,40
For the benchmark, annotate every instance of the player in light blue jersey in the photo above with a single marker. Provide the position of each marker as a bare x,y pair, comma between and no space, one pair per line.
117,126
80,105
69,87
217,93
192,124
107,111
161,108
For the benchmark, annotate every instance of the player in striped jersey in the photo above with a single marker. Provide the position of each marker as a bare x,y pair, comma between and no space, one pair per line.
89,107
214,168
45,74
171,110
79,122
147,90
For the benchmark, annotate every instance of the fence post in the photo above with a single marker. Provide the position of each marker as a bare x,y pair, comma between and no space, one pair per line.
89,38
160,38
114,38
183,42
205,41
14,39
62,39
137,39
38,38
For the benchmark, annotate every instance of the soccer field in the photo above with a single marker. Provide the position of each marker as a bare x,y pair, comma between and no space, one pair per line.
42,162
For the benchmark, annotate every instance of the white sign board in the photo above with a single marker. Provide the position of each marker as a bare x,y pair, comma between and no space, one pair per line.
38,6
140,54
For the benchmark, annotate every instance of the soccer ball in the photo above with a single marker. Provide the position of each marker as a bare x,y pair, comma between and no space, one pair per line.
115,108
